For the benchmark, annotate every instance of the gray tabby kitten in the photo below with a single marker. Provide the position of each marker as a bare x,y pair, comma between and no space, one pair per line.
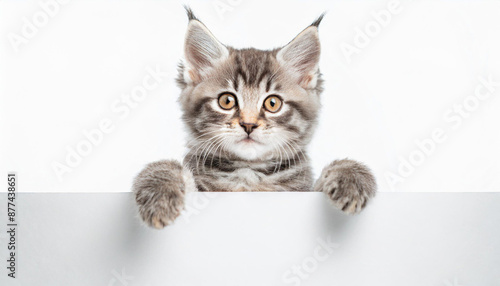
250,115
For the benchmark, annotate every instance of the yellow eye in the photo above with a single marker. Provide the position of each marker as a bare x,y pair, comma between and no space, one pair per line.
273,103
227,101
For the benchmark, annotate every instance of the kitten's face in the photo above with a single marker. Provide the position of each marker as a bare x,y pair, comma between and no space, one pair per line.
252,104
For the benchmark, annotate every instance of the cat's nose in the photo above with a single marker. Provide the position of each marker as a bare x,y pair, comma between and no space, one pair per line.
249,127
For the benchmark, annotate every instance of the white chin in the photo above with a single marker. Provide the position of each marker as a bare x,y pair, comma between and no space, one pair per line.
250,151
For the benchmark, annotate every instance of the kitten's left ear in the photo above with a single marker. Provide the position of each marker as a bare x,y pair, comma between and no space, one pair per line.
301,55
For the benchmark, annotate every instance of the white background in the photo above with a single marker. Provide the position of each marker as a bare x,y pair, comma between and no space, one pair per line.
395,91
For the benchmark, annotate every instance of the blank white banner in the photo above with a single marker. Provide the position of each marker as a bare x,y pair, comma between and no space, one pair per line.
410,239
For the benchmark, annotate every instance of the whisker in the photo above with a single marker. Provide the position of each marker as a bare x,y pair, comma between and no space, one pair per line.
291,151
203,147
286,152
204,134
209,149
215,151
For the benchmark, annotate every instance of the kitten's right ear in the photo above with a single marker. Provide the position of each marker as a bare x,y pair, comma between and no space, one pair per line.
201,50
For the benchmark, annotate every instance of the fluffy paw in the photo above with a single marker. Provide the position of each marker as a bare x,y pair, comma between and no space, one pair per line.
159,192
348,183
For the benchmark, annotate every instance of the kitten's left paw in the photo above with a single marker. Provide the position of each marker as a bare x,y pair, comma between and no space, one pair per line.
348,183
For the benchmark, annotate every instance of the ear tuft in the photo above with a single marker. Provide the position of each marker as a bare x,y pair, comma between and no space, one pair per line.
190,13
318,20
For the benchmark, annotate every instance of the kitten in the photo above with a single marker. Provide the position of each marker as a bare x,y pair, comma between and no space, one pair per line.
250,115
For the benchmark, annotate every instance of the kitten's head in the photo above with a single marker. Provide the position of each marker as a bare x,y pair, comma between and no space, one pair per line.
249,103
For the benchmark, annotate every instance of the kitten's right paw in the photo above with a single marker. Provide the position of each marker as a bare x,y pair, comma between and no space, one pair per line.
349,184
159,192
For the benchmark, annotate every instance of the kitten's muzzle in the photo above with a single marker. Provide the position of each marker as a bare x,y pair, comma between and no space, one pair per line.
248,127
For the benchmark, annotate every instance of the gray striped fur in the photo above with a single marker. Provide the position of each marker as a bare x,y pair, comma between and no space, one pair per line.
223,156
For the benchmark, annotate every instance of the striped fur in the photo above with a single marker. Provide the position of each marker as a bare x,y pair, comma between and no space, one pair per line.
224,155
